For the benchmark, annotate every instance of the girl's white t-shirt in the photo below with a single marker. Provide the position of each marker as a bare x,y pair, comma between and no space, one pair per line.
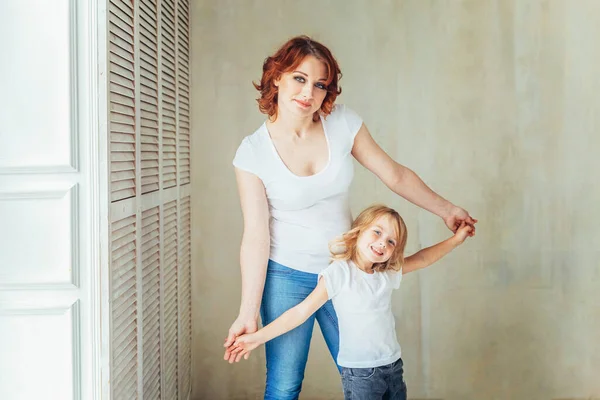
306,213
363,304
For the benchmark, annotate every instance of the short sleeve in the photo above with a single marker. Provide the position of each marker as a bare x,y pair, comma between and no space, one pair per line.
335,276
395,278
353,120
245,159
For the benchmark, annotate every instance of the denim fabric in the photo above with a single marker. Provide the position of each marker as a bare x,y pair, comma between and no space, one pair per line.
380,383
287,354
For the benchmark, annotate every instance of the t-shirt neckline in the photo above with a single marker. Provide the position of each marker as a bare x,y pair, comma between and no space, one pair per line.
285,167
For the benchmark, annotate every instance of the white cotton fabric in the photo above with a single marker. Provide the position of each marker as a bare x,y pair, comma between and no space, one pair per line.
363,304
306,212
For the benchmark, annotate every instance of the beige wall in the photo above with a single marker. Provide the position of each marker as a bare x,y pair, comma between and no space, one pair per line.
496,105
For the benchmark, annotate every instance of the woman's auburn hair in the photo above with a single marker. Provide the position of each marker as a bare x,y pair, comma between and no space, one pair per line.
288,57
344,247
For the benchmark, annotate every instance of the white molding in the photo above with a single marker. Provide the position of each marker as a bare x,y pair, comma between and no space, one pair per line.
39,170
35,311
30,303
76,322
36,194
75,212
74,77
39,286
99,168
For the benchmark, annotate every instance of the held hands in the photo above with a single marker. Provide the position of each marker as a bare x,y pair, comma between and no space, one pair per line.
463,232
243,345
240,326
456,217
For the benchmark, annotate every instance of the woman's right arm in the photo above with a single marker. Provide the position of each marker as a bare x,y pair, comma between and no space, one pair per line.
287,321
254,254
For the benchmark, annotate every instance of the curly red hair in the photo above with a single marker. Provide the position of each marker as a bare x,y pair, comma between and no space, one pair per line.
288,57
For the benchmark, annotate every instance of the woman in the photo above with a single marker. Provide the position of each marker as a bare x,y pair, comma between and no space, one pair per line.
293,177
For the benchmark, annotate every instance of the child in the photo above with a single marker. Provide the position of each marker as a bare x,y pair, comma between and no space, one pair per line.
368,264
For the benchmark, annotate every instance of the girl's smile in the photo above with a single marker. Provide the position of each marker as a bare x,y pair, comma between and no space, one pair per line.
376,243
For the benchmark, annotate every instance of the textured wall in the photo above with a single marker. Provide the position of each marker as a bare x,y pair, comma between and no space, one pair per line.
496,105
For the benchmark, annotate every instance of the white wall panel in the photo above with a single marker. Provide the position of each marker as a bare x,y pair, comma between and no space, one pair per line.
38,80
40,245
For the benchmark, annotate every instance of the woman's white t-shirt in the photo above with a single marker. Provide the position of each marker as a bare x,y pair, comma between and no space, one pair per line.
309,211
363,304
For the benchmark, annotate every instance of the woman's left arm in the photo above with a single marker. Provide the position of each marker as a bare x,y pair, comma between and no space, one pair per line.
405,182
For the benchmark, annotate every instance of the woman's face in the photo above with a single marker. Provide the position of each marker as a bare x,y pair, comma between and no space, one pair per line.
302,91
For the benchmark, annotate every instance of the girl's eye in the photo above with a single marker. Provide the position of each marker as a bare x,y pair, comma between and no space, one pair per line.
321,86
391,242
299,79
377,232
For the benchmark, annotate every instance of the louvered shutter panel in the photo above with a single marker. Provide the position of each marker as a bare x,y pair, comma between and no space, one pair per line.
122,96
185,297
124,309
149,120
151,302
170,300
169,123
149,95
183,90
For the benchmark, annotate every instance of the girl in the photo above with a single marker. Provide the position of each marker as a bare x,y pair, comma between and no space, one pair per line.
360,282
293,175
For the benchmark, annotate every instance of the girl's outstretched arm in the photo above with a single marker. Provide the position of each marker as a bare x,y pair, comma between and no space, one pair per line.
429,255
286,322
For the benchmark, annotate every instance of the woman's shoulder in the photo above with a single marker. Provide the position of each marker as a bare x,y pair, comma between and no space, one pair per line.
342,110
250,151
338,111
255,139
344,117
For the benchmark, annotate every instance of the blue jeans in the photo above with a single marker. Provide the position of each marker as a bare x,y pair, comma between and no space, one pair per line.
287,354
380,383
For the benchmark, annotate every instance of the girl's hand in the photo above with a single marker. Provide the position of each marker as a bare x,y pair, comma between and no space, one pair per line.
456,217
463,232
244,345
239,327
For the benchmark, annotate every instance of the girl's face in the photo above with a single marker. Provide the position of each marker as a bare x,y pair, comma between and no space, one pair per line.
377,242
302,91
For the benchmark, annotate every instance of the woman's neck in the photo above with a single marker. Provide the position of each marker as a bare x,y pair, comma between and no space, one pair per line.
291,124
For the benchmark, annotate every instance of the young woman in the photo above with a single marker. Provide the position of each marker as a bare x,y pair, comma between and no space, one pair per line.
293,176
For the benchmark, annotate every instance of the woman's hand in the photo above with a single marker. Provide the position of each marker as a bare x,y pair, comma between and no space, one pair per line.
242,325
463,232
456,217
243,345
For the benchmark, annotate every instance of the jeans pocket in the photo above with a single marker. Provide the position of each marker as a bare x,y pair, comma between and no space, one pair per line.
364,373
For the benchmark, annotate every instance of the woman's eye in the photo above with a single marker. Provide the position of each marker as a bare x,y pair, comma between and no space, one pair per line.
377,232
299,79
321,86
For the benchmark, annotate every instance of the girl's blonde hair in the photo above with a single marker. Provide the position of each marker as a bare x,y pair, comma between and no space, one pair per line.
344,247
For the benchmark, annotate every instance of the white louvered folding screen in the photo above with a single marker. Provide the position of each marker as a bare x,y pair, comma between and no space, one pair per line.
149,153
